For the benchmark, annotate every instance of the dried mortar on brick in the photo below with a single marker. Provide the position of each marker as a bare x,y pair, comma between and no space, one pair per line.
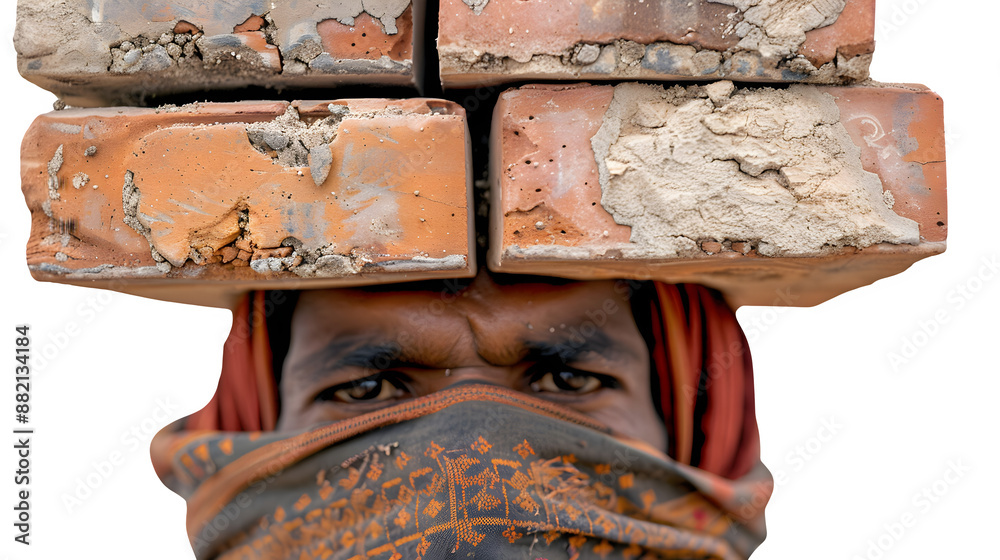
772,167
777,28
344,11
771,33
130,208
476,5
53,167
130,18
89,40
293,143
228,236
302,43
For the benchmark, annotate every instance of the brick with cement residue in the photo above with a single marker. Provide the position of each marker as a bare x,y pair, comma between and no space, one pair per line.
108,53
483,42
229,194
817,189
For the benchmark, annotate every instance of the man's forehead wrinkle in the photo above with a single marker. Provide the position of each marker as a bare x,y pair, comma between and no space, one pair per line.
439,341
474,338
445,347
498,343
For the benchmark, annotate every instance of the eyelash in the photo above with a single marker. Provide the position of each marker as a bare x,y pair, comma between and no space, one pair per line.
535,376
537,373
395,378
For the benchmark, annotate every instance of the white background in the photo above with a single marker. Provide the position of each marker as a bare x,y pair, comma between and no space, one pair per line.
897,432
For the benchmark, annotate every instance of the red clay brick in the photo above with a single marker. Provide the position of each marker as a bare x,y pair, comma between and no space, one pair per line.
755,191
113,53
249,195
485,42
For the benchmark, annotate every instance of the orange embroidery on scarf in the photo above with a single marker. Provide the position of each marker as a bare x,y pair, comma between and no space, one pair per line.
604,523
402,519
648,498
423,546
633,551
226,446
351,480
341,503
347,540
604,548
292,525
419,473
505,463
524,449
520,480
526,502
571,512
303,502
512,534
201,452
626,481
405,495
374,530
214,494
433,451
467,534
374,471
190,465
481,445
433,508
467,498
484,500
401,460
693,511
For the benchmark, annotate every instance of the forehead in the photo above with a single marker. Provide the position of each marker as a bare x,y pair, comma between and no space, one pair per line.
487,315
484,296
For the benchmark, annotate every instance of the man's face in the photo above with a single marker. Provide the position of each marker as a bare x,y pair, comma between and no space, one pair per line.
355,351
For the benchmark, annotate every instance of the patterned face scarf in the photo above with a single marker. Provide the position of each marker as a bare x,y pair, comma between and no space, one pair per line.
478,470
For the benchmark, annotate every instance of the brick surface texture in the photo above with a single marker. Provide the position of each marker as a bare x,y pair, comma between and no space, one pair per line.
688,206
660,167
250,194
109,53
497,41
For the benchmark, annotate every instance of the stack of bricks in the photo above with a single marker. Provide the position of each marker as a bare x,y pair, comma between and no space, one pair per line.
805,178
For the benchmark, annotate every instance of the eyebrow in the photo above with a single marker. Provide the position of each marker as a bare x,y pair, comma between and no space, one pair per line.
372,354
572,348
346,351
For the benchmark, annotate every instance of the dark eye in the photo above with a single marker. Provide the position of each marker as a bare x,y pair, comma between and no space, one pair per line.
564,379
376,388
